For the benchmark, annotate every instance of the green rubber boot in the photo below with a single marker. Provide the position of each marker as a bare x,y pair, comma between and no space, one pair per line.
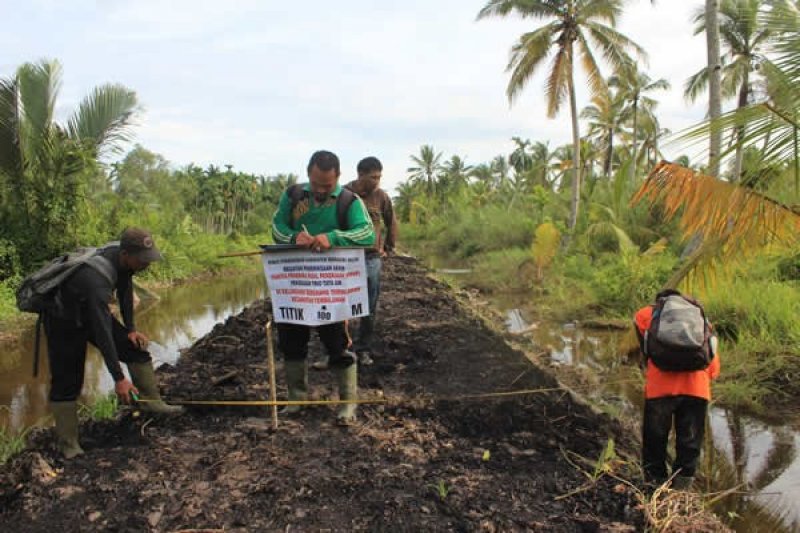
297,383
66,416
348,390
144,378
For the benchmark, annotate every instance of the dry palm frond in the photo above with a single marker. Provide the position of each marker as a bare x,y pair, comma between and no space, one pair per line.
668,510
732,222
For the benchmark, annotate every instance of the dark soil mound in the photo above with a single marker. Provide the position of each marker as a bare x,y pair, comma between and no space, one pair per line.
501,464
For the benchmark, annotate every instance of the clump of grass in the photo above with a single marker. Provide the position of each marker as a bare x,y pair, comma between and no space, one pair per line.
8,307
501,271
11,443
102,407
441,489
760,335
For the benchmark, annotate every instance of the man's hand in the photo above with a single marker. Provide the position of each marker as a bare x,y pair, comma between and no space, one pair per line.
304,239
139,340
123,388
321,243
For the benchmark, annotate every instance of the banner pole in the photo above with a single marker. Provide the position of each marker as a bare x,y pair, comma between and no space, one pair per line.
271,366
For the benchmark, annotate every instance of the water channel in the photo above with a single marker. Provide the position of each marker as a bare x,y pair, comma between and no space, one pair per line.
182,315
762,457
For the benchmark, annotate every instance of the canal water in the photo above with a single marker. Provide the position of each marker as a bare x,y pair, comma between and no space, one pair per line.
182,315
761,457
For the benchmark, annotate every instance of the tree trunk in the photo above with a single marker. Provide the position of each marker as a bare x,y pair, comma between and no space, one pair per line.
609,154
635,136
576,142
744,92
714,90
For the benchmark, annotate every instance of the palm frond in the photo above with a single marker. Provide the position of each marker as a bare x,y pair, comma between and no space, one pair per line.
614,45
557,85
527,55
523,8
696,85
38,85
597,83
103,118
739,220
10,157
605,10
606,231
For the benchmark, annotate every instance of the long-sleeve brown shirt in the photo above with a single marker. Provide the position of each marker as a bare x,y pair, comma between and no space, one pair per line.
381,211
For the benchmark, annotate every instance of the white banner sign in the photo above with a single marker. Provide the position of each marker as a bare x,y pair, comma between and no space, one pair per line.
316,288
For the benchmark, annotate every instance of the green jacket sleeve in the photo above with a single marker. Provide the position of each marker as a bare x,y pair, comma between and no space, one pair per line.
282,232
361,232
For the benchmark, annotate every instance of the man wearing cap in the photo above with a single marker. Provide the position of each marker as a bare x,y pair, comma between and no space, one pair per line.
86,317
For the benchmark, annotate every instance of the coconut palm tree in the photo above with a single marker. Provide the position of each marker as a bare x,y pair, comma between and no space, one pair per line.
456,172
542,164
501,170
605,116
634,87
42,162
572,31
744,39
427,166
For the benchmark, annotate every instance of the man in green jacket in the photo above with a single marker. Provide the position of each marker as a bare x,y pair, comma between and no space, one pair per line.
311,220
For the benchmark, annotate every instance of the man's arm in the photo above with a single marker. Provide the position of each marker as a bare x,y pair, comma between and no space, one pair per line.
125,298
390,222
714,367
96,291
361,232
282,232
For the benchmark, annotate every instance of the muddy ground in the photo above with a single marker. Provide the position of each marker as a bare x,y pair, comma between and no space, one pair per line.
509,464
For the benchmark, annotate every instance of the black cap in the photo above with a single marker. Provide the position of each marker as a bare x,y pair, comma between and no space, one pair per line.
138,242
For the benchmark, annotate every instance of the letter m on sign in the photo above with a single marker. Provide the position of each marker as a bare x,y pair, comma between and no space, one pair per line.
356,309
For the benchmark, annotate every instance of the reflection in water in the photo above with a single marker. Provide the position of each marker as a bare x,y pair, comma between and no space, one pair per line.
743,452
181,316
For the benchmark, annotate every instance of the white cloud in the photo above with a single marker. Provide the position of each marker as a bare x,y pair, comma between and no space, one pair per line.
260,85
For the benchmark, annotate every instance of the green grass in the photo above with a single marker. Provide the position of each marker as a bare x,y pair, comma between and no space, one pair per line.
11,443
101,408
8,302
502,271
756,317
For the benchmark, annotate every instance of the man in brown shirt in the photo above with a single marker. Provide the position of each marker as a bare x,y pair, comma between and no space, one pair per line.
379,205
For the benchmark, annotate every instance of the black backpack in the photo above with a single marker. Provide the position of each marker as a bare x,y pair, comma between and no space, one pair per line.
297,193
679,338
40,292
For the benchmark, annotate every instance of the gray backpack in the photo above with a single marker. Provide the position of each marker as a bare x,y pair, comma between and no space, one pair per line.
40,292
679,336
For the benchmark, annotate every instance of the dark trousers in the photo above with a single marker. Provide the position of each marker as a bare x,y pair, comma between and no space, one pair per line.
293,342
689,416
366,326
66,351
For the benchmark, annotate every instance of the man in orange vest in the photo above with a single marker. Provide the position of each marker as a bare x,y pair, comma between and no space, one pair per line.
679,397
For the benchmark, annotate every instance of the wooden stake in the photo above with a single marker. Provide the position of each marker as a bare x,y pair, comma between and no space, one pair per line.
273,396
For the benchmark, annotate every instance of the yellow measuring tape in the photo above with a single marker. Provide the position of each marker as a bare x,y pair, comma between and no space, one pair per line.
375,401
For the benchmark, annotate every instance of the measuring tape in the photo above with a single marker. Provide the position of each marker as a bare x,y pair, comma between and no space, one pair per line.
375,401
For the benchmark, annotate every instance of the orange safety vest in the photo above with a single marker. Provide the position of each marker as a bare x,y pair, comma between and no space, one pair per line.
660,383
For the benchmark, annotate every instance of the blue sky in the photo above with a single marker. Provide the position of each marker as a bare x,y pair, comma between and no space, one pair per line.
262,84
